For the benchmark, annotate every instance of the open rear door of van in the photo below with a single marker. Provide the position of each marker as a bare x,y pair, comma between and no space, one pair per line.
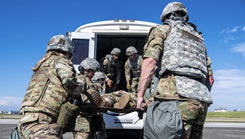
84,46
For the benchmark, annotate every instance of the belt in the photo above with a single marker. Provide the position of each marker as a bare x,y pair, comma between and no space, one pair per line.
167,74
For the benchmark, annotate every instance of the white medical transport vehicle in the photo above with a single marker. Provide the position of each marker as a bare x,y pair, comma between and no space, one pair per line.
97,39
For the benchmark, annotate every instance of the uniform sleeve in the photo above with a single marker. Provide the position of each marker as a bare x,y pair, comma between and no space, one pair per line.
119,72
106,78
67,74
104,65
209,62
127,71
154,44
81,80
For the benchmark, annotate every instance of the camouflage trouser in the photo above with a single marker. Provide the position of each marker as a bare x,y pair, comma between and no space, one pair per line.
193,115
89,127
134,84
193,112
116,95
38,125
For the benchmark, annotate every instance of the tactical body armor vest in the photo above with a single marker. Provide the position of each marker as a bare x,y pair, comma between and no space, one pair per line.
185,56
184,51
41,93
111,67
135,65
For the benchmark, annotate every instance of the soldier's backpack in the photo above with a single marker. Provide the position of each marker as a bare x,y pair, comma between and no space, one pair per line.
67,117
163,121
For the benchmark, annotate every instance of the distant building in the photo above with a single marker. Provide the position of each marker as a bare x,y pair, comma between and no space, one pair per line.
9,112
220,110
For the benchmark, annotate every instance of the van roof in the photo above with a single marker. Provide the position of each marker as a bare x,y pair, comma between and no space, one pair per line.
116,26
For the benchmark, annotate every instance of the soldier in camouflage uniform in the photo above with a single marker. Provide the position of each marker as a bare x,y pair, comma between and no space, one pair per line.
132,69
99,79
90,123
111,66
52,84
185,72
118,99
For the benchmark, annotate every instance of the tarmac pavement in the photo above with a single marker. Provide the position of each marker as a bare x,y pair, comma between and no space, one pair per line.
212,130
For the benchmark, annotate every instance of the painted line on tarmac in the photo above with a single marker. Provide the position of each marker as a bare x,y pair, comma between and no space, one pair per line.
9,121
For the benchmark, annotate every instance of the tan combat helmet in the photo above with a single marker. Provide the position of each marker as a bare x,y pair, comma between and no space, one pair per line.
116,51
131,50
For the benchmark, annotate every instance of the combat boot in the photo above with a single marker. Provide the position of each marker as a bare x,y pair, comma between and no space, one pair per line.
96,100
123,101
94,97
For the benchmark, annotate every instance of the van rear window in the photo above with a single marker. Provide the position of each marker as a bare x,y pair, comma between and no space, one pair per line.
81,50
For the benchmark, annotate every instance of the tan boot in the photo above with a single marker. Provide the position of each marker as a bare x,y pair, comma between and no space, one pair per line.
123,101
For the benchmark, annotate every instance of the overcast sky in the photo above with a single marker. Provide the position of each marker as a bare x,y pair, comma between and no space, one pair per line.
27,25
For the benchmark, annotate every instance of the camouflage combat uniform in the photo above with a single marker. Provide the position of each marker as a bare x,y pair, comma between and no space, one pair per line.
52,83
90,122
113,99
99,80
184,70
134,68
112,69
